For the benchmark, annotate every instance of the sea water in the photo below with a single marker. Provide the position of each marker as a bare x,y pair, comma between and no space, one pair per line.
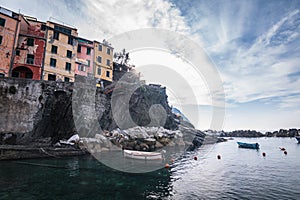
239,174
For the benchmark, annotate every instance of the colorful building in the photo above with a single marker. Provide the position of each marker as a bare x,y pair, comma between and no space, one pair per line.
84,64
50,51
61,53
103,61
9,31
29,55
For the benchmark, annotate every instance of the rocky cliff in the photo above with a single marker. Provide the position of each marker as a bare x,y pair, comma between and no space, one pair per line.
36,112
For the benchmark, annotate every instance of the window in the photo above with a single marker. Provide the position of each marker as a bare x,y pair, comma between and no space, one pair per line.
99,59
88,51
69,54
43,27
28,75
17,52
107,74
67,79
79,48
56,35
51,77
54,49
65,30
108,51
100,47
99,71
2,22
15,74
68,66
107,62
70,40
81,68
52,62
1,37
89,62
30,41
30,59
1,75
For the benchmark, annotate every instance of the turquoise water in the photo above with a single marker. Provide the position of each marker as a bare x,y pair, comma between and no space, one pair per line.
239,174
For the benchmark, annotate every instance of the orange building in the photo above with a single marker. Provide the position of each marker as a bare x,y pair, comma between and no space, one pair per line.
61,53
9,31
103,61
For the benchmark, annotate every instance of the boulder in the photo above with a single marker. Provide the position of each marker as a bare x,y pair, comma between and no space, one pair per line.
137,133
158,145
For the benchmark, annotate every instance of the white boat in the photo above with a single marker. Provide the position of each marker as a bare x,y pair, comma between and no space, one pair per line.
141,155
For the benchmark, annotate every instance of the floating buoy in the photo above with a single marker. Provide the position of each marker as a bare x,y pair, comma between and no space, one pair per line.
167,166
219,157
195,158
264,154
282,149
285,152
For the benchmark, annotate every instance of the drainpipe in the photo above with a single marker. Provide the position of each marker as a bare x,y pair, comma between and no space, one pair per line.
44,54
13,48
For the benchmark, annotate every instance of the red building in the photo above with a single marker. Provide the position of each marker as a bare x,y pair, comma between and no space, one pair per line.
30,51
9,31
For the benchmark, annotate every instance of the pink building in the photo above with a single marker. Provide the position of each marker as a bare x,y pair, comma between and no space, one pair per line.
85,54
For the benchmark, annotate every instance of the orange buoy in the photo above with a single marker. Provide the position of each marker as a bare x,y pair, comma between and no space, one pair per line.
219,157
167,166
285,152
195,158
264,154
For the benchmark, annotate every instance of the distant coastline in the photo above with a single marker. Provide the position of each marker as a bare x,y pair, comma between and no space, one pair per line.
252,133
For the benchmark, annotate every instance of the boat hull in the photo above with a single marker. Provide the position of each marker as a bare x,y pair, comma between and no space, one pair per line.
298,139
248,145
140,155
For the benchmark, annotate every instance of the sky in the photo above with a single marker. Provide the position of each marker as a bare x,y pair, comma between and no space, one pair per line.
254,46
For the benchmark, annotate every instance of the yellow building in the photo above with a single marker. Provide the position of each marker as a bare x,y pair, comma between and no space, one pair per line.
60,55
103,61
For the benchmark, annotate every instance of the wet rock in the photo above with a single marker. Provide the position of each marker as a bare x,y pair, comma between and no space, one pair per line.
158,145
150,141
144,147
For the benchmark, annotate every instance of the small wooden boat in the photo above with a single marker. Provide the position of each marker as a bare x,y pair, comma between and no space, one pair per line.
298,138
141,155
248,145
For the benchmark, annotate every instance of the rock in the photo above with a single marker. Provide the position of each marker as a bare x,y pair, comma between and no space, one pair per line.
179,142
158,145
220,139
137,133
144,147
97,148
104,149
171,144
164,141
150,141
74,138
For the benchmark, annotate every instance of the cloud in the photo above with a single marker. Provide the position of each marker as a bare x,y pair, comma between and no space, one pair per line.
261,69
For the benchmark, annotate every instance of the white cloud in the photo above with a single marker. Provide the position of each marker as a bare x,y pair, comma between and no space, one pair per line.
260,71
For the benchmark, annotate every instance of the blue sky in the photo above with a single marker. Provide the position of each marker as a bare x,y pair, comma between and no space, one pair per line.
255,45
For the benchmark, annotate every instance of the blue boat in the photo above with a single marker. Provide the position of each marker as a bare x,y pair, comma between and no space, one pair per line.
248,145
298,139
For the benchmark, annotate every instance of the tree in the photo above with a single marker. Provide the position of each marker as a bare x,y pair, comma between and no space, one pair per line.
121,57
